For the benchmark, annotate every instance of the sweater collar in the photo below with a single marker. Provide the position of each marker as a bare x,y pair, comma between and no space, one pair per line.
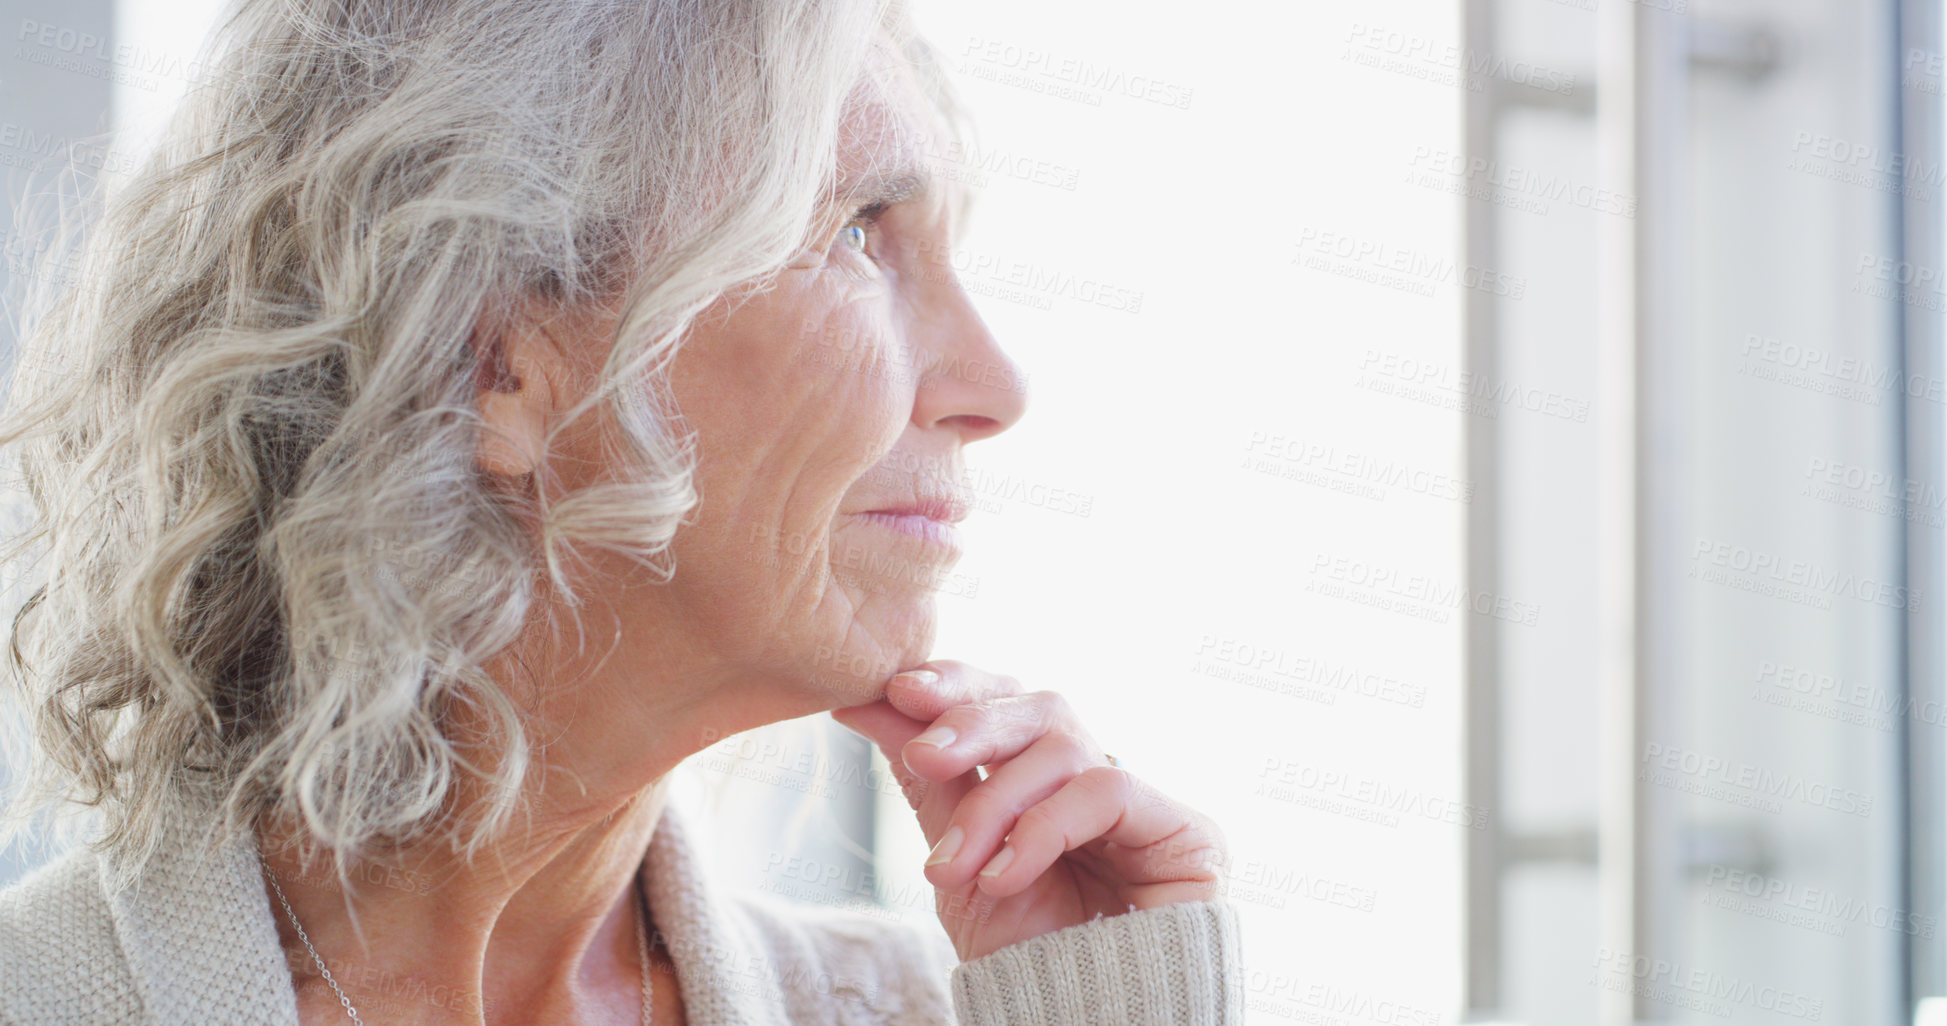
199,934
724,975
196,930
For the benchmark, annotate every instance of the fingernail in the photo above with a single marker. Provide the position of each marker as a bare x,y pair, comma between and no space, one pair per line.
939,737
918,678
949,845
998,864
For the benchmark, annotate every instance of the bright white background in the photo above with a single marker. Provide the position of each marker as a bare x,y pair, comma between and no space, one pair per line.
1191,545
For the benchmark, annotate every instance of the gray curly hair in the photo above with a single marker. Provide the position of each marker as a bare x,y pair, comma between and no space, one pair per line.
265,563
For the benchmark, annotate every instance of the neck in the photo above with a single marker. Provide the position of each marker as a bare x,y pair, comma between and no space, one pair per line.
539,931
540,925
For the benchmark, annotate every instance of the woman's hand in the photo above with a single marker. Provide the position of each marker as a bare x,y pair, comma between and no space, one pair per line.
1054,835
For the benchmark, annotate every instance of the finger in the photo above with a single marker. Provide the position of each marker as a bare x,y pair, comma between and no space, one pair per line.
1194,854
889,729
987,812
932,801
881,724
988,733
1107,804
926,691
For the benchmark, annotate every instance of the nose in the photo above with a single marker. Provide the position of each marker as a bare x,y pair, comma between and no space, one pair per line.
969,384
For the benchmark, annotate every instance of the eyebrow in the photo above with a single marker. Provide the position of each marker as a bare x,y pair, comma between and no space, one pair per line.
886,187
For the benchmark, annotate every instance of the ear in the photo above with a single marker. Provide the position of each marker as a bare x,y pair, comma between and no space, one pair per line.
516,396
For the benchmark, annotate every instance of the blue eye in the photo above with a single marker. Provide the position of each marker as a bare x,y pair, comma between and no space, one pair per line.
852,236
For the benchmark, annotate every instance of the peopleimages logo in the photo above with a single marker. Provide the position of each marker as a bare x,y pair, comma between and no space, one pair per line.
1270,885
1290,457
1040,66
1353,256
1822,370
982,161
75,45
1038,282
1693,987
1868,157
1837,698
1765,786
1518,181
1360,796
1280,669
1795,580
21,146
1871,490
1410,594
1814,908
1910,283
1413,47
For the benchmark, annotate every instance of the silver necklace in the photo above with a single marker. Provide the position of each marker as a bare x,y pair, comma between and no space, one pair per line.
641,948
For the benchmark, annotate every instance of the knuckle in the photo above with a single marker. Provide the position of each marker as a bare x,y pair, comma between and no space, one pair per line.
1216,860
962,718
1141,794
915,790
1051,703
1078,748
974,719
1051,712
1041,819
1014,721
1107,781
1217,838
981,802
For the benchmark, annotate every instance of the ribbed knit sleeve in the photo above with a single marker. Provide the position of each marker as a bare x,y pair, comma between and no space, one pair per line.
1176,965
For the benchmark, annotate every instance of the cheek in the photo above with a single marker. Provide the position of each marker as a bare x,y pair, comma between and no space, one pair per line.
851,357
792,403
852,397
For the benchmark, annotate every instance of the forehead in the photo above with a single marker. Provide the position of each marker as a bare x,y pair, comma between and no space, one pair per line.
890,126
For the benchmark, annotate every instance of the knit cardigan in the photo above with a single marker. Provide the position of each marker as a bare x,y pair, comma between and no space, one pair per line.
194,941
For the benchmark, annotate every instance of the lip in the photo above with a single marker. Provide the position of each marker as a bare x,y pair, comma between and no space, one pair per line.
929,518
925,528
943,508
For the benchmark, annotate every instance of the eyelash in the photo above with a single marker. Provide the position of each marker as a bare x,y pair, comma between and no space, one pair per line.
867,217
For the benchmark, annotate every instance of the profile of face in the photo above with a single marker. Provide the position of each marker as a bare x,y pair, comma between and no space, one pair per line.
830,411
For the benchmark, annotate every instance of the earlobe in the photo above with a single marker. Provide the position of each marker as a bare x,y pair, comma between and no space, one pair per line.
514,414
502,453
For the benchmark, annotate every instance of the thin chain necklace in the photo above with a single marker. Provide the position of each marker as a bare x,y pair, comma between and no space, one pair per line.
641,948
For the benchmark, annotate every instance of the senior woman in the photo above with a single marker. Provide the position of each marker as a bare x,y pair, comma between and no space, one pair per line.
440,442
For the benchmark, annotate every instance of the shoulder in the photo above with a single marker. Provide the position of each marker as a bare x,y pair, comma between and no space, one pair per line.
857,963
58,948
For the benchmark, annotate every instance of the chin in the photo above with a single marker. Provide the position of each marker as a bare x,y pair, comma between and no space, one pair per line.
852,669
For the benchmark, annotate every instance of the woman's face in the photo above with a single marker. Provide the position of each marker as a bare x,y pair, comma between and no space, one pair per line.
830,412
